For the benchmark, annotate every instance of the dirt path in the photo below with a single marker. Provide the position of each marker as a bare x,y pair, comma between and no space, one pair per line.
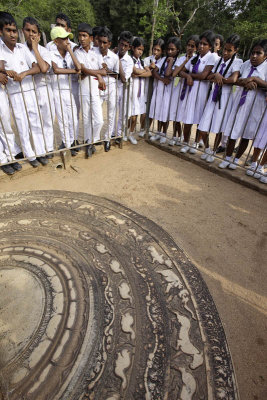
219,224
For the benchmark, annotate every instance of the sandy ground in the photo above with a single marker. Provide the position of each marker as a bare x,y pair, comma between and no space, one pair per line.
220,225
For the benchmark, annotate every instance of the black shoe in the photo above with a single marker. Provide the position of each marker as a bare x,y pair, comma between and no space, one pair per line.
93,149
19,156
107,146
16,166
42,160
7,169
98,143
220,149
118,140
62,146
50,156
76,143
73,152
34,163
89,151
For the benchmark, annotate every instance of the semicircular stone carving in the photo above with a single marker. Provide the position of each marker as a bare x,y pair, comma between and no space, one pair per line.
98,302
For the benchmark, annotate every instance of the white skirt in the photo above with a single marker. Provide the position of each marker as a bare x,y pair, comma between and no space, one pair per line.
195,102
137,97
244,120
213,118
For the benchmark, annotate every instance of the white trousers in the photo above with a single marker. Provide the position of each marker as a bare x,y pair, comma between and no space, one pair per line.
109,95
66,112
28,123
92,118
7,136
47,110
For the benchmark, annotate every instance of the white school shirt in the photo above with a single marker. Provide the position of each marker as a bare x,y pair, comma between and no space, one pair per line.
40,79
96,50
127,66
112,61
19,60
91,60
51,46
61,80
260,72
207,59
235,67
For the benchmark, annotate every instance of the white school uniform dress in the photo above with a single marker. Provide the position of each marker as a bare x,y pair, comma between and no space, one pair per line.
196,97
51,46
147,62
45,98
260,141
217,112
127,66
176,105
244,120
65,104
90,97
7,136
111,93
157,96
138,100
23,100
169,94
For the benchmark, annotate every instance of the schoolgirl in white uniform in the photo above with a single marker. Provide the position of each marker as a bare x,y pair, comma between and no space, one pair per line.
44,93
152,62
224,73
248,104
138,100
194,91
166,71
175,108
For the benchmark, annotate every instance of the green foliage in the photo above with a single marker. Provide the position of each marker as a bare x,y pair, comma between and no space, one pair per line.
45,11
173,17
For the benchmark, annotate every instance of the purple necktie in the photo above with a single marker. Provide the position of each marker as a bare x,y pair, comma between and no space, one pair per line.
217,87
139,89
245,92
194,71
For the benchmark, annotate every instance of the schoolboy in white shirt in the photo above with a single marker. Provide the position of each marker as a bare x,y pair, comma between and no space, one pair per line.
110,61
9,147
64,64
92,71
20,66
63,21
44,93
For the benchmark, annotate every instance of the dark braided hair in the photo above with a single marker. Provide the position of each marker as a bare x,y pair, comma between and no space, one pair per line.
234,40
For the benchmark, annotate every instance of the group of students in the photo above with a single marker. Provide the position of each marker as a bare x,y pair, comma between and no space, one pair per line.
204,96
65,79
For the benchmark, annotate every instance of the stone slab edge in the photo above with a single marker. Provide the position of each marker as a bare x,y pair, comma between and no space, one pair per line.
237,176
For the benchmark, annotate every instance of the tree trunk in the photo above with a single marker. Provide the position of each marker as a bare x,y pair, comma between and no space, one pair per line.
155,8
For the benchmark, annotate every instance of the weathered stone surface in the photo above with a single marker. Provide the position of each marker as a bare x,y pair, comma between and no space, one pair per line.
98,302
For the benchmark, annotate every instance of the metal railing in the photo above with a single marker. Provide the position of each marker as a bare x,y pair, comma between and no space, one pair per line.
66,112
